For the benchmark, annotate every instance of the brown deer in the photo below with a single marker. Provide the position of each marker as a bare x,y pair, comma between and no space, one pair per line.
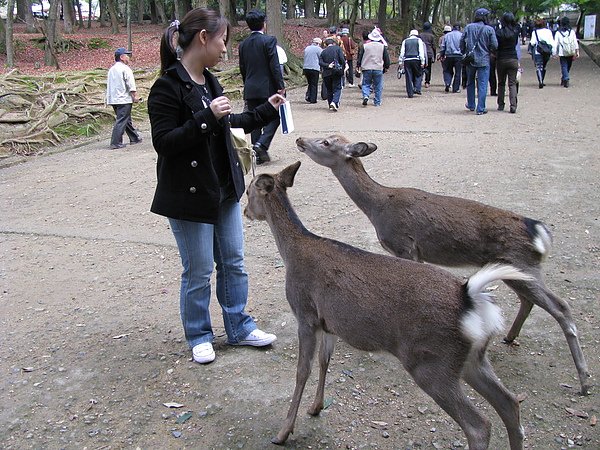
450,231
437,326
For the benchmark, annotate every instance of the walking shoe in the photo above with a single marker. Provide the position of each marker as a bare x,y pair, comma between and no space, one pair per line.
117,146
456,91
426,84
470,109
203,353
333,106
513,109
257,338
136,142
447,89
350,85
500,107
562,82
479,113
365,101
566,83
418,92
262,155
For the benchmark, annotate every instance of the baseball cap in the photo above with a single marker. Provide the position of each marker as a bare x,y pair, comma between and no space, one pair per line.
317,41
121,51
481,12
414,33
447,28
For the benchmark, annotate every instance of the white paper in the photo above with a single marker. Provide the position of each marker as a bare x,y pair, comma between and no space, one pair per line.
285,115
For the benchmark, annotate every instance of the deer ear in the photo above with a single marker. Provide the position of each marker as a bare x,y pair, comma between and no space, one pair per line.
286,176
264,184
361,149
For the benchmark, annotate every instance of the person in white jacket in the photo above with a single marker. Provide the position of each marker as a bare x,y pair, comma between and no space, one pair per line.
540,34
566,48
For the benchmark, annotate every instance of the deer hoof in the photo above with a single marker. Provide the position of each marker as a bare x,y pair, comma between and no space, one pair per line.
280,438
511,342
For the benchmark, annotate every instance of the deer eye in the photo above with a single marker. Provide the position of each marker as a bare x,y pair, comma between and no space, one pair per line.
326,143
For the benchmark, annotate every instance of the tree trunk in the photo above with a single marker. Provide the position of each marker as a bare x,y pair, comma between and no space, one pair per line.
24,13
90,12
291,9
10,50
225,10
309,9
140,11
52,35
160,11
353,16
114,16
68,16
275,22
329,11
382,15
79,15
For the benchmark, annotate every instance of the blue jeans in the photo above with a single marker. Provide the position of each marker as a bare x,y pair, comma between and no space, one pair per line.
482,74
201,246
374,77
333,84
565,67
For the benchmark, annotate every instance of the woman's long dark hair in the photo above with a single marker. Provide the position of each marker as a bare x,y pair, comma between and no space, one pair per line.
508,26
194,21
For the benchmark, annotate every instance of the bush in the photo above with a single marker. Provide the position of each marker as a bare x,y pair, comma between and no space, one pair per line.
96,43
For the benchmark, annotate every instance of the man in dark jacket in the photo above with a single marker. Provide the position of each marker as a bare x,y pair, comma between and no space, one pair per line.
261,74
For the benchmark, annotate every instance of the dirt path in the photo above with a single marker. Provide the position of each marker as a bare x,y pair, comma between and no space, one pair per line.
92,346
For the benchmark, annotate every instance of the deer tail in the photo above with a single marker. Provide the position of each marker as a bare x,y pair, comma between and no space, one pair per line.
482,318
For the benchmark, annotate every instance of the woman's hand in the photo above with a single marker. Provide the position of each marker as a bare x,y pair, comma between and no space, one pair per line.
220,107
276,100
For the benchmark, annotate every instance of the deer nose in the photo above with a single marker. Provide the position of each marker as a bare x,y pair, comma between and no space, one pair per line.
299,140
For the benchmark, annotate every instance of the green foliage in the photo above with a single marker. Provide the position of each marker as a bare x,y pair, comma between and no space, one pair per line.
96,43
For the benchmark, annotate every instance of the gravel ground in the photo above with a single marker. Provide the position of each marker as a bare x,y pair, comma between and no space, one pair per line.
92,345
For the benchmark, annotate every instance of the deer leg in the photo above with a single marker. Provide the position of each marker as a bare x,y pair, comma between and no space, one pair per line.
536,292
325,352
480,375
522,315
442,384
306,352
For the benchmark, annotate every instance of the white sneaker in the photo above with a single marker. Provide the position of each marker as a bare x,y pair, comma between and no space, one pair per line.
258,338
203,353
333,106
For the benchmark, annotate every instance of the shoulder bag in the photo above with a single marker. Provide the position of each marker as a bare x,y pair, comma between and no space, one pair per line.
542,47
469,56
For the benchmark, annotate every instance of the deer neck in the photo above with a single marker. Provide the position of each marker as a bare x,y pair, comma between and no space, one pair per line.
289,232
359,186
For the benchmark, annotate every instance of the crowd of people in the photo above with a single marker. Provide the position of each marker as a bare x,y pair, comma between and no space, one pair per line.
487,52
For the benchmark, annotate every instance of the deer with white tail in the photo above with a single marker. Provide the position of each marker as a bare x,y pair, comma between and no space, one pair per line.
452,232
436,325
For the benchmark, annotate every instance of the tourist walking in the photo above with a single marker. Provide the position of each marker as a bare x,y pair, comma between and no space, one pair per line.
451,57
480,39
349,48
429,40
261,75
541,46
413,55
507,61
567,49
374,61
332,63
311,69
121,93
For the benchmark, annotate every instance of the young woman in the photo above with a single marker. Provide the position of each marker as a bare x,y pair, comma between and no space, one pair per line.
540,34
507,62
567,49
200,180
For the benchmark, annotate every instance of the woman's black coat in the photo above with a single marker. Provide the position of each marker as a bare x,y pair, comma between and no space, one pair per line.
183,133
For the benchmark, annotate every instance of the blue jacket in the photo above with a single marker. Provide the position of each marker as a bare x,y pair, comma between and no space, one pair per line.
483,37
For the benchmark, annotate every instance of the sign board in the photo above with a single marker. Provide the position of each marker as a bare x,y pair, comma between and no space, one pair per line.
589,27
